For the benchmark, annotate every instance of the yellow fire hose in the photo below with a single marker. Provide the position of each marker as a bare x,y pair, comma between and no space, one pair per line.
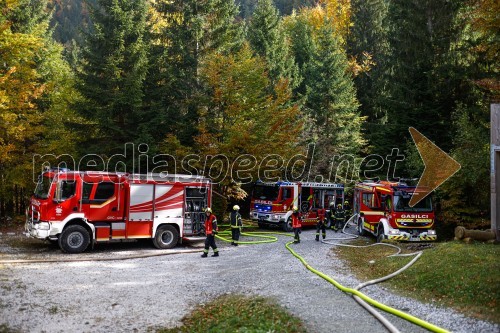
270,237
355,292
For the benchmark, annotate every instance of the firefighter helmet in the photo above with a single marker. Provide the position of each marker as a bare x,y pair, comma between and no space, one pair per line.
236,207
339,206
208,210
346,203
295,208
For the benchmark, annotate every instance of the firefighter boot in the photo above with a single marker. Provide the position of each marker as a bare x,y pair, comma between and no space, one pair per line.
216,254
317,237
204,255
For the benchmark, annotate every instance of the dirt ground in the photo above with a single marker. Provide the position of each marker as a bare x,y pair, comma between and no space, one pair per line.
104,293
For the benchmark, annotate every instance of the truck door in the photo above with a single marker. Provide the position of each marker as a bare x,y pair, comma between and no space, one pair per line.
65,198
103,200
287,198
306,199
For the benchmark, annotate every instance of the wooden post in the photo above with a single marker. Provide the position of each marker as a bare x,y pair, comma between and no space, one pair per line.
495,169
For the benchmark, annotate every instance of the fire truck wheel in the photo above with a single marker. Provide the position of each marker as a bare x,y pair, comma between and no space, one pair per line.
287,226
74,239
361,231
380,234
166,237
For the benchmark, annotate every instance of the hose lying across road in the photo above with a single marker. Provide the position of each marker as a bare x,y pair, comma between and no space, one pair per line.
361,298
269,237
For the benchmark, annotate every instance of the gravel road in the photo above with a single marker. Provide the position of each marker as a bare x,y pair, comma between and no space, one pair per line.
139,295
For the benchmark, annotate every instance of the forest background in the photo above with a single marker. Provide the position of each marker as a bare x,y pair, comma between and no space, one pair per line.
250,78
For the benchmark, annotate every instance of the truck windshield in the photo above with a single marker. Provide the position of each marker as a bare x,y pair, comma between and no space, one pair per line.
43,187
265,192
402,204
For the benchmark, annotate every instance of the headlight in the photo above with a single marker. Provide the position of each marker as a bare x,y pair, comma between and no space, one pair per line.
394,232
276,217
431,232
42,226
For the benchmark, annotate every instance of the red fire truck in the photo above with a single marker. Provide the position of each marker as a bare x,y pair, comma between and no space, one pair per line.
272,202
78,209
382,208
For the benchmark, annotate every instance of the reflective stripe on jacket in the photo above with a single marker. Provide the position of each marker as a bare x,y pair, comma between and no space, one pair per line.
236,219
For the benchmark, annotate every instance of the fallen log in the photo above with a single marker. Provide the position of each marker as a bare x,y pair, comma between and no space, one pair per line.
480,235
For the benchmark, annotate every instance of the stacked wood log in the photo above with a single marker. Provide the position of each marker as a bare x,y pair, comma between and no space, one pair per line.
480,235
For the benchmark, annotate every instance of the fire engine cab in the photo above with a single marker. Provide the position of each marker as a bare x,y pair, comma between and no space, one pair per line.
77,209
272,202
382,209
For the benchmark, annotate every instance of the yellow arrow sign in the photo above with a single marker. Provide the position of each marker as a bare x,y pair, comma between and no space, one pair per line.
439,166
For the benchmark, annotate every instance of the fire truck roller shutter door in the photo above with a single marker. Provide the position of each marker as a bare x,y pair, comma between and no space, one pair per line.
141,202
168,201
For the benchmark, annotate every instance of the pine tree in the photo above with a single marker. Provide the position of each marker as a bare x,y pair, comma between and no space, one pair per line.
302,35
267,37
70,20
114,63
331,100
28,15
421,84
190,31
369,37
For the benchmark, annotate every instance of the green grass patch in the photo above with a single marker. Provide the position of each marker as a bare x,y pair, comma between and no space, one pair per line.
458,275
235,313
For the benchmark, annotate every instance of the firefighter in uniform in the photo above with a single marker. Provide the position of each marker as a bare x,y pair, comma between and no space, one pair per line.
331,215
321,223
339,218
236,225
347,212
296,225
210,231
